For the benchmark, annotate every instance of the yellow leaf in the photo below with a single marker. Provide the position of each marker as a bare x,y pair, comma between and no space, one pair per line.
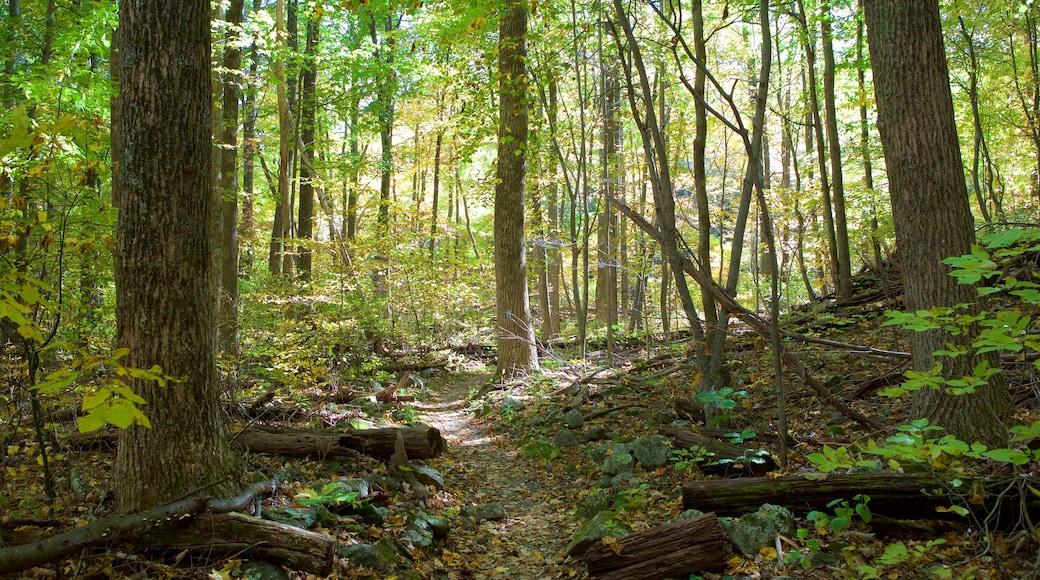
768,552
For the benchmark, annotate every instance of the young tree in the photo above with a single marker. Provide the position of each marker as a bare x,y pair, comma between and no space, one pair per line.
228,330
164,283
930,207
516,346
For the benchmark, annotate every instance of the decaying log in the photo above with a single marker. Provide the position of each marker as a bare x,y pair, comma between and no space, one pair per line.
684,439
420,442
677,549
23,557
894,495
223,535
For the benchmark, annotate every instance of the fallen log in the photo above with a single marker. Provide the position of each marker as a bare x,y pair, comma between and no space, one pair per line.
895,495
677,549
737,461
420,442
235,534
25,556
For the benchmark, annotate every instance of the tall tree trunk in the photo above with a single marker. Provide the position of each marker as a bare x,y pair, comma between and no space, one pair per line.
554,264
607,234
308,101
816,123
164,282
700,177
247,221
843,267
930,207
435,204
228,330
864,139
516,345
280,226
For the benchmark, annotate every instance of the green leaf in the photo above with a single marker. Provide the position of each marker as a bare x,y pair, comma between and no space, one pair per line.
1004,455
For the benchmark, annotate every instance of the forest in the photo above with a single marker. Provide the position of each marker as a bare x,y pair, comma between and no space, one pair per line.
518,289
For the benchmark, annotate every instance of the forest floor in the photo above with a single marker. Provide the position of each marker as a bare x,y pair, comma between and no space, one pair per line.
526,462
483,466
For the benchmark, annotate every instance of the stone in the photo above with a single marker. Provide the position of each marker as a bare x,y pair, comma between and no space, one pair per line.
686,515
573,419
536,421
596,433
360,555
600,453
511,405
255,570
595,502
600,526
623,481
564,439
651,452
616,463
428,476
484,511
759,529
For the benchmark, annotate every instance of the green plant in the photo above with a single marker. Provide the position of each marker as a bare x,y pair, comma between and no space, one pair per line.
725,399
541,451
687,459
843,514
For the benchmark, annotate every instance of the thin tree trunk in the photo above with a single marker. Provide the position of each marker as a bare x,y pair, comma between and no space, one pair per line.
228,329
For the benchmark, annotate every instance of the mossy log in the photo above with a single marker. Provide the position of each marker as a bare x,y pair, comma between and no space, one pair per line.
894,495
223,535
420,442
671,550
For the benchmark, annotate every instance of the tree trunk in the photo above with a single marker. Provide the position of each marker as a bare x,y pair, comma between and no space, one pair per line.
164,281
843,274
516,345
228,330
421,442
930,207
308,98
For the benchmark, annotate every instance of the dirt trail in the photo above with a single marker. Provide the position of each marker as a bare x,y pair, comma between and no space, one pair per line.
483,467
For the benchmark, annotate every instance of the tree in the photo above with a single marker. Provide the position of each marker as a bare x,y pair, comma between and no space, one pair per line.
228,331
164,283
930,207
516,346
308,120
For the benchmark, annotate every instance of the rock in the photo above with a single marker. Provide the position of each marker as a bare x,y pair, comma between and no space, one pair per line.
686,515
596,433
573,419
436,526
623,481
356,485
484,511
616,463
428,476
600,526
511,405
651,452
291,516
600,453
564,439
383,481
360,555
759,529
254,570
535,421
593,503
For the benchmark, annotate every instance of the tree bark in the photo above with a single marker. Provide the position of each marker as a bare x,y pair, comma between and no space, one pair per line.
930,207
903,496
843,273
308,97
678,549
228,330
516,344
420,442
164,282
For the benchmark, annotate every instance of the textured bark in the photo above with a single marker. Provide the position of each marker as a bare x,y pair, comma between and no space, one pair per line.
843,270
516,345
678,549
903,496
242,536
164,282
228,331
930,207
420,442
305,221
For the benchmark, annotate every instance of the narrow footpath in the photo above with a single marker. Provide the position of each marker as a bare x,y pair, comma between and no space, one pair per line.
482,467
